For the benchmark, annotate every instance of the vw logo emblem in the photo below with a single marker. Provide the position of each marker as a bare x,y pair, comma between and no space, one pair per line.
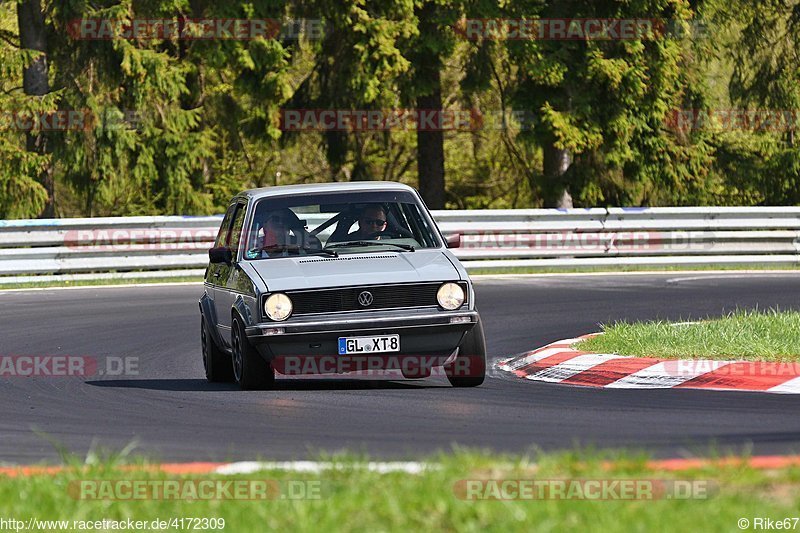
365,299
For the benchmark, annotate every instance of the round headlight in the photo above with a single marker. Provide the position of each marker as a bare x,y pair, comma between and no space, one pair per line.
278,307
450,296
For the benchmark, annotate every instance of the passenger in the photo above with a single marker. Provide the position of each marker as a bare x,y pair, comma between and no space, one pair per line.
275,228
281,228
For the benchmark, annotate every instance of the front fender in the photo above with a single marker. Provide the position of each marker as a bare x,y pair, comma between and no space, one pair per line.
243,310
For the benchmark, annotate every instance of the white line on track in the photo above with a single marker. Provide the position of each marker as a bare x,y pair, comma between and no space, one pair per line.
738,275
314,467
706,273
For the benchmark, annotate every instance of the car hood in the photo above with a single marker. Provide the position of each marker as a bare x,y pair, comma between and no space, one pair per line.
373,268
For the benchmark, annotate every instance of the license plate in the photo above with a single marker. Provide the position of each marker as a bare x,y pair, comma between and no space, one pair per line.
376,344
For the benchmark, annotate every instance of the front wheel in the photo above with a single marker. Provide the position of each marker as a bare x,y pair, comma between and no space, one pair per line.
469,368
250,370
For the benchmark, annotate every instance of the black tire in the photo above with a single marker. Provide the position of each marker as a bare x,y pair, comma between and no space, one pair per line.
469,368
217,363
250,370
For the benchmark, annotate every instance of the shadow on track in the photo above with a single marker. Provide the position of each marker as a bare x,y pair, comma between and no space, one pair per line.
201,385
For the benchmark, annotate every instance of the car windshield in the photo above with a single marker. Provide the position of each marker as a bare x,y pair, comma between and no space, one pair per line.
339,223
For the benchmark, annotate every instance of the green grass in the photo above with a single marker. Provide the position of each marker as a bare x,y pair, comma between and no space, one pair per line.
743,335
98,282
353,499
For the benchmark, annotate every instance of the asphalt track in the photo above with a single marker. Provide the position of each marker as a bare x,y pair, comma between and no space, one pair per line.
170,413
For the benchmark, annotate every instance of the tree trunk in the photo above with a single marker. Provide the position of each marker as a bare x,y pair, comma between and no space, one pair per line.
336,148
430,148
33,36
555,191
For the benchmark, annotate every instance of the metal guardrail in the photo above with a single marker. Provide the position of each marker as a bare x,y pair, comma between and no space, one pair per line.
96,248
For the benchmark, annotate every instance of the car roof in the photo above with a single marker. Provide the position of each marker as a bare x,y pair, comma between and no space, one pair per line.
312,188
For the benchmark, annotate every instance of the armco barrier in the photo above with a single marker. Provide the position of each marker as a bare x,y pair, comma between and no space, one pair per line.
95,248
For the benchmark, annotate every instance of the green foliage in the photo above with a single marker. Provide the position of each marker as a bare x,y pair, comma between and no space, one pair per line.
766,75
21,196
180,125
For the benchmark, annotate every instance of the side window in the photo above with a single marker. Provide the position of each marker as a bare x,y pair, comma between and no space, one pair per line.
222,236
236,229
419,226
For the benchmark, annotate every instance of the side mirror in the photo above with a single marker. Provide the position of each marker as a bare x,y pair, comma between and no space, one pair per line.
220,255
453,240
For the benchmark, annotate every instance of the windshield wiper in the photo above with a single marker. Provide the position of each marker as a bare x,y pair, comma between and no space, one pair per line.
405,247
292,249
330,253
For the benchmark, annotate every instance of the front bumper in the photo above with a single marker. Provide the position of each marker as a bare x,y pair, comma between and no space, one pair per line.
376,321
422,332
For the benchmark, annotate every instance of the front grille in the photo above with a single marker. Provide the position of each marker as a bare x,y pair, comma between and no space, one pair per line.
346,299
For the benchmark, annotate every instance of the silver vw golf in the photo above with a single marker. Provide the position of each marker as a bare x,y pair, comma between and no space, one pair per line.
337,278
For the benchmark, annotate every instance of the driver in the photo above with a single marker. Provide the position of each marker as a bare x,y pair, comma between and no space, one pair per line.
371,223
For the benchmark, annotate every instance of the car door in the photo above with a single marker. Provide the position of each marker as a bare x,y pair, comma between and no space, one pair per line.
224,296
213,272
